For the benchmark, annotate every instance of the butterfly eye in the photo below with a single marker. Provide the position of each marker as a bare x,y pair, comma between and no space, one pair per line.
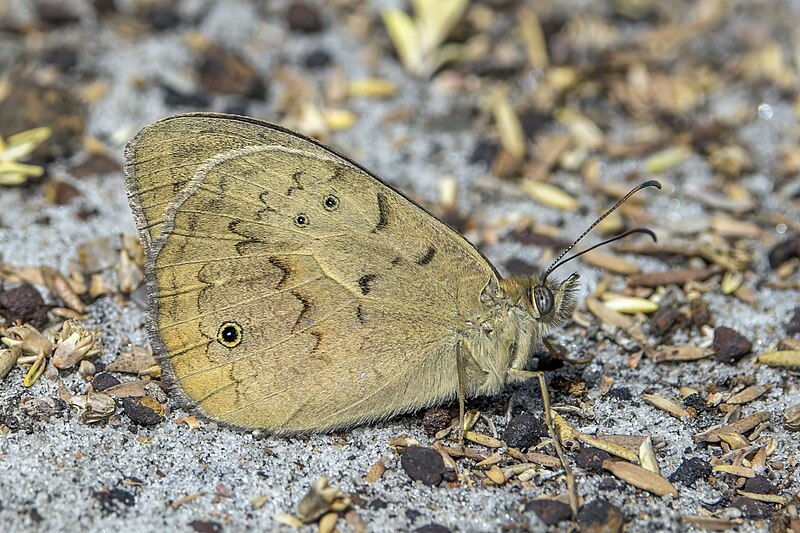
543,299
331,203
301,220
229,334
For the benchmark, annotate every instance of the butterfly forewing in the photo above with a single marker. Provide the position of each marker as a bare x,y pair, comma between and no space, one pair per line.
289,288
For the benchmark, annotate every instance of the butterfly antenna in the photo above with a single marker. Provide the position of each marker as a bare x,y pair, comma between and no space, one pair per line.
558,261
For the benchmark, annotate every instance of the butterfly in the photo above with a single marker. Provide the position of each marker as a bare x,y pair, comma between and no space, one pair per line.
290,289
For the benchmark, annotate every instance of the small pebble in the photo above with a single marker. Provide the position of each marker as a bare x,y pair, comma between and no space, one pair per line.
591,459
600,516
784,250
145,411
435,420
23,304
729,346
423,464
524,431
760,485
433,528
752,508
690,471
103,381
793,327
551,512
303,17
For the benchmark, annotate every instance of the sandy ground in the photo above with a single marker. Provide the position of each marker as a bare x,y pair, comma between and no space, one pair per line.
62,475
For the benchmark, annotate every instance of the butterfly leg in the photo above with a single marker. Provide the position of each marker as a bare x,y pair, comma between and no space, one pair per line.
462,390
548,420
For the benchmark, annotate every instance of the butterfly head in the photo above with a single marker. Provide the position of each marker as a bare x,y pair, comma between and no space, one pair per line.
551,302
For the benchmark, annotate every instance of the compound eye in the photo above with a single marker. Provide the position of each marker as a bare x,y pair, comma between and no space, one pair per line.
543,299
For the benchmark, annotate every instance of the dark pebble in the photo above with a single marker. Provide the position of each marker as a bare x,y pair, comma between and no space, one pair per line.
103,381
378,504
622,394
114,500
23,304
206,526
696,402
225,72
518,266
591,459
60,192
63,58
145,411
317,59
96,165
175,98
435,420
793,327
690,471
752,509
432,528
665,320
784,250
423,464
730,346
600,516
485,151
303,17
760,485
163,17
524,431
551,512
700,312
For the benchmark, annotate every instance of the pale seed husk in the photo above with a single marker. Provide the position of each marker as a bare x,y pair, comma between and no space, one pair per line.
376,471
681,353
647,457
496,475
8,360
748,395
610,263
736,441
371,88
610,447
483,440
741,471
631,305
550,195
767,498
640,477
327,524
711,523
667,405
780,358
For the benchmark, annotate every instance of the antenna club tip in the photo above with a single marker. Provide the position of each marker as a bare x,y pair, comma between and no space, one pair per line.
652,183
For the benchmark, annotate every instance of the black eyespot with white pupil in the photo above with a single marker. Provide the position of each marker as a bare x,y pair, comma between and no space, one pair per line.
543,299
331,203
229,334
301,220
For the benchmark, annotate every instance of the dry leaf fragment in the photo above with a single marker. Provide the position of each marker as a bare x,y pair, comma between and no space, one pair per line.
681,353
483,440
320,499
768,498
92,406
28,339
74,345
640,478
748,395
647,457
8,360
376,471
138,359
610,447
740,426
673,277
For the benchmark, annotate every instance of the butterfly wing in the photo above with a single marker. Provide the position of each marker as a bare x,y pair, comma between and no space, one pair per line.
289,288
